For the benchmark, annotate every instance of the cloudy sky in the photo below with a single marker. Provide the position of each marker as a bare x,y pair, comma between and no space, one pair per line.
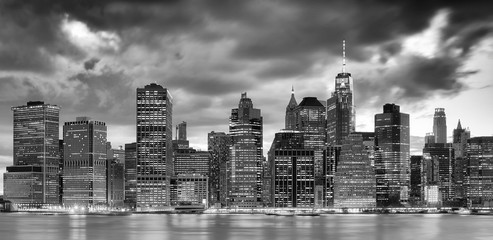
90,56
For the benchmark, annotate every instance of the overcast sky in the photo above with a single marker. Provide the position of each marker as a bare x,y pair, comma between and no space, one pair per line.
90,56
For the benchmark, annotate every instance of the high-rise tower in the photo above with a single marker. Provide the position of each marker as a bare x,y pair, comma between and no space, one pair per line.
290,119
340,107
440,126
245,167
392,169
154,146
34,178
84,173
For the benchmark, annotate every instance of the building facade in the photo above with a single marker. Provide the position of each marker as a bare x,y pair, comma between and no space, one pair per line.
218,144
189,189
479,172
131,175
245,167
392,168
34,178
292,171
443,155
355,183
84,173
440,126
154,146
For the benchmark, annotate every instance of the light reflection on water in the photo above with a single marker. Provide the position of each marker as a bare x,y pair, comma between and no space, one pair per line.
217,227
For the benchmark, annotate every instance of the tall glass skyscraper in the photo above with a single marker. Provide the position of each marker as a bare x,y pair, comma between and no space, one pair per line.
34,178
154,146
245,167
340,107
392,168
440,126
84,166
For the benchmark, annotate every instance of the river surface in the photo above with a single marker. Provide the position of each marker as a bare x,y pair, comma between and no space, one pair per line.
217,227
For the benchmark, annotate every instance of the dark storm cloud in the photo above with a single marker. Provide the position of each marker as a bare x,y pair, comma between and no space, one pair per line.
30,40
208,85
91,63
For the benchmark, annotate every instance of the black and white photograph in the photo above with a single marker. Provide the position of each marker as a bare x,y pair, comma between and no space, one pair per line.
246,119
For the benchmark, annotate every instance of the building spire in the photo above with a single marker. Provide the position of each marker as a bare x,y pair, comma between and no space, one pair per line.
343,56
292,89
458,125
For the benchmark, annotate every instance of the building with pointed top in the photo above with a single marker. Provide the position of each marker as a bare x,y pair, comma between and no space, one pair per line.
290,119
340,107
459,143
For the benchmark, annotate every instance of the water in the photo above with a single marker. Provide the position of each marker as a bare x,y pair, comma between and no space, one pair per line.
217,227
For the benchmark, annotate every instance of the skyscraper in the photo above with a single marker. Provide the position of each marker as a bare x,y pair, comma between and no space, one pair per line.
340,107
415,179
479,172
443,155
131,175
392,169
154,147
115,176
293,175
290,118
460,137
218,144
34,178
354,183
182,131
84,172
245,167
440,126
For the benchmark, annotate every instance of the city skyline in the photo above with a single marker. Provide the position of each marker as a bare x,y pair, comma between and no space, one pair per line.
91,64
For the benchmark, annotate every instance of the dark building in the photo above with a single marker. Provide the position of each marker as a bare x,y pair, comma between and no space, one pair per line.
245,167
34,178
354,183
218,144
187,160
460,137
131,175
392,169
290,118
340,107
326,194
115,176
479,172
415,193
440,126
293,171
189,189
84,172
154,147
443,155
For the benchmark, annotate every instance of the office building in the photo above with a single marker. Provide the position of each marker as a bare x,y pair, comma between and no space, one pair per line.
443,155
187,160
440,126
293,171
84,173
392,169
290,118
33,180
415,180
245,166
479,172
460,137
115,176
189,189
130,175
340,107
218,144
354,183
154,147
